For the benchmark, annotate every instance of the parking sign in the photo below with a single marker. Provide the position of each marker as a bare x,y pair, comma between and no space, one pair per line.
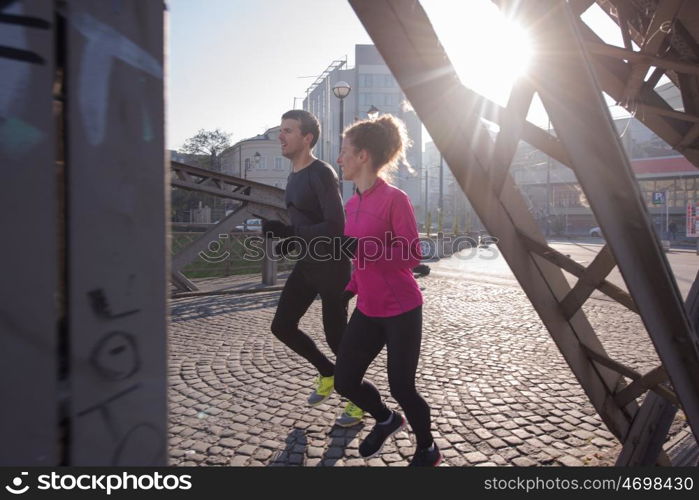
658,197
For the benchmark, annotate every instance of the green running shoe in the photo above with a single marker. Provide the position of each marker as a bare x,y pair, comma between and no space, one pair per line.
352,415
324,388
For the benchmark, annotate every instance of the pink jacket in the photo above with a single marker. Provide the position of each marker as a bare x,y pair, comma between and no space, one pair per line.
383,220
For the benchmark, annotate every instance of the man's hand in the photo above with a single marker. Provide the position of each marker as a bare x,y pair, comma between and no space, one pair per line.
286,247
346,297
276,229
349,246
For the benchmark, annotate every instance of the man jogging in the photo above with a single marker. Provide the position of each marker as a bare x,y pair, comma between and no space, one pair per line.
315,209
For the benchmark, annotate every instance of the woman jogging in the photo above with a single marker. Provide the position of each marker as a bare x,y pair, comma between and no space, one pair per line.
380,222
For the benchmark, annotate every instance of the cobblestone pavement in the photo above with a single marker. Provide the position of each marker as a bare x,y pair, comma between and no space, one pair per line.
500,391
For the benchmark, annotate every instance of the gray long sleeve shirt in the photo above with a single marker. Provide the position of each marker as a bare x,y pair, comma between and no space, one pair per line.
314,203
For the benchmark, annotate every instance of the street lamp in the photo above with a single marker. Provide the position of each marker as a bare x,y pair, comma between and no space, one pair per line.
373,112
427,196
341,90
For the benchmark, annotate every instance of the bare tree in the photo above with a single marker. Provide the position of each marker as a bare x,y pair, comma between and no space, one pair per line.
203,150
209,143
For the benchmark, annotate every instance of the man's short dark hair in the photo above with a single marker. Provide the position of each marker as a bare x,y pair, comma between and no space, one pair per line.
309,123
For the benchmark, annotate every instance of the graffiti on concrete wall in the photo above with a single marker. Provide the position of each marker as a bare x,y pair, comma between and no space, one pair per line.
16,60
116,357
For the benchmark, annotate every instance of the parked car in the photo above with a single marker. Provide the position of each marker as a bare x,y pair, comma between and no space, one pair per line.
596,232
251,225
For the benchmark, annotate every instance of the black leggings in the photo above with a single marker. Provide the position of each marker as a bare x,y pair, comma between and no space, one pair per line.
305,282
363,340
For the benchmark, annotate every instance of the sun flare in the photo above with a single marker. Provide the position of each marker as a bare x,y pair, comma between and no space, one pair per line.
488,51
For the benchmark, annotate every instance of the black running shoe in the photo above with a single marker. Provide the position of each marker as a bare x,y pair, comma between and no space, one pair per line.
427,457
372,444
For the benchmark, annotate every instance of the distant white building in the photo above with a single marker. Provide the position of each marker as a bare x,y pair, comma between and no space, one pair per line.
258,159
557,201
372,85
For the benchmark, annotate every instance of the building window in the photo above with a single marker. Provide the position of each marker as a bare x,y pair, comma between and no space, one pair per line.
566,196
262,162
379,99
679,199
278,163
377,80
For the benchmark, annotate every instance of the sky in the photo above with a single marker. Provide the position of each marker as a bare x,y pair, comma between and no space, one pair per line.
237,65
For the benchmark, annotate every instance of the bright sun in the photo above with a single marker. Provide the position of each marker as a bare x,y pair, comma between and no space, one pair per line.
488,51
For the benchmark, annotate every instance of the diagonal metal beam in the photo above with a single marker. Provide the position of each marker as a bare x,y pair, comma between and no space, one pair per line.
183,176
639,386
653,79
227,225
666,62
692,305
691,136
624,26
624,370
591,279
408,44
578,270
226,186
404,36
182,283
689,90
613,74
651,424
258,200
642,108
682,46
513,121
644,443
532,134
574,102
654,39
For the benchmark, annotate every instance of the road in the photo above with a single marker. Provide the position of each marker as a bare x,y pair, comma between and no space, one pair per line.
499,390
487,265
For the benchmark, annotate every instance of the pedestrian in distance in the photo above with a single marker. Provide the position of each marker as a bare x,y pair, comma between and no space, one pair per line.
673,230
